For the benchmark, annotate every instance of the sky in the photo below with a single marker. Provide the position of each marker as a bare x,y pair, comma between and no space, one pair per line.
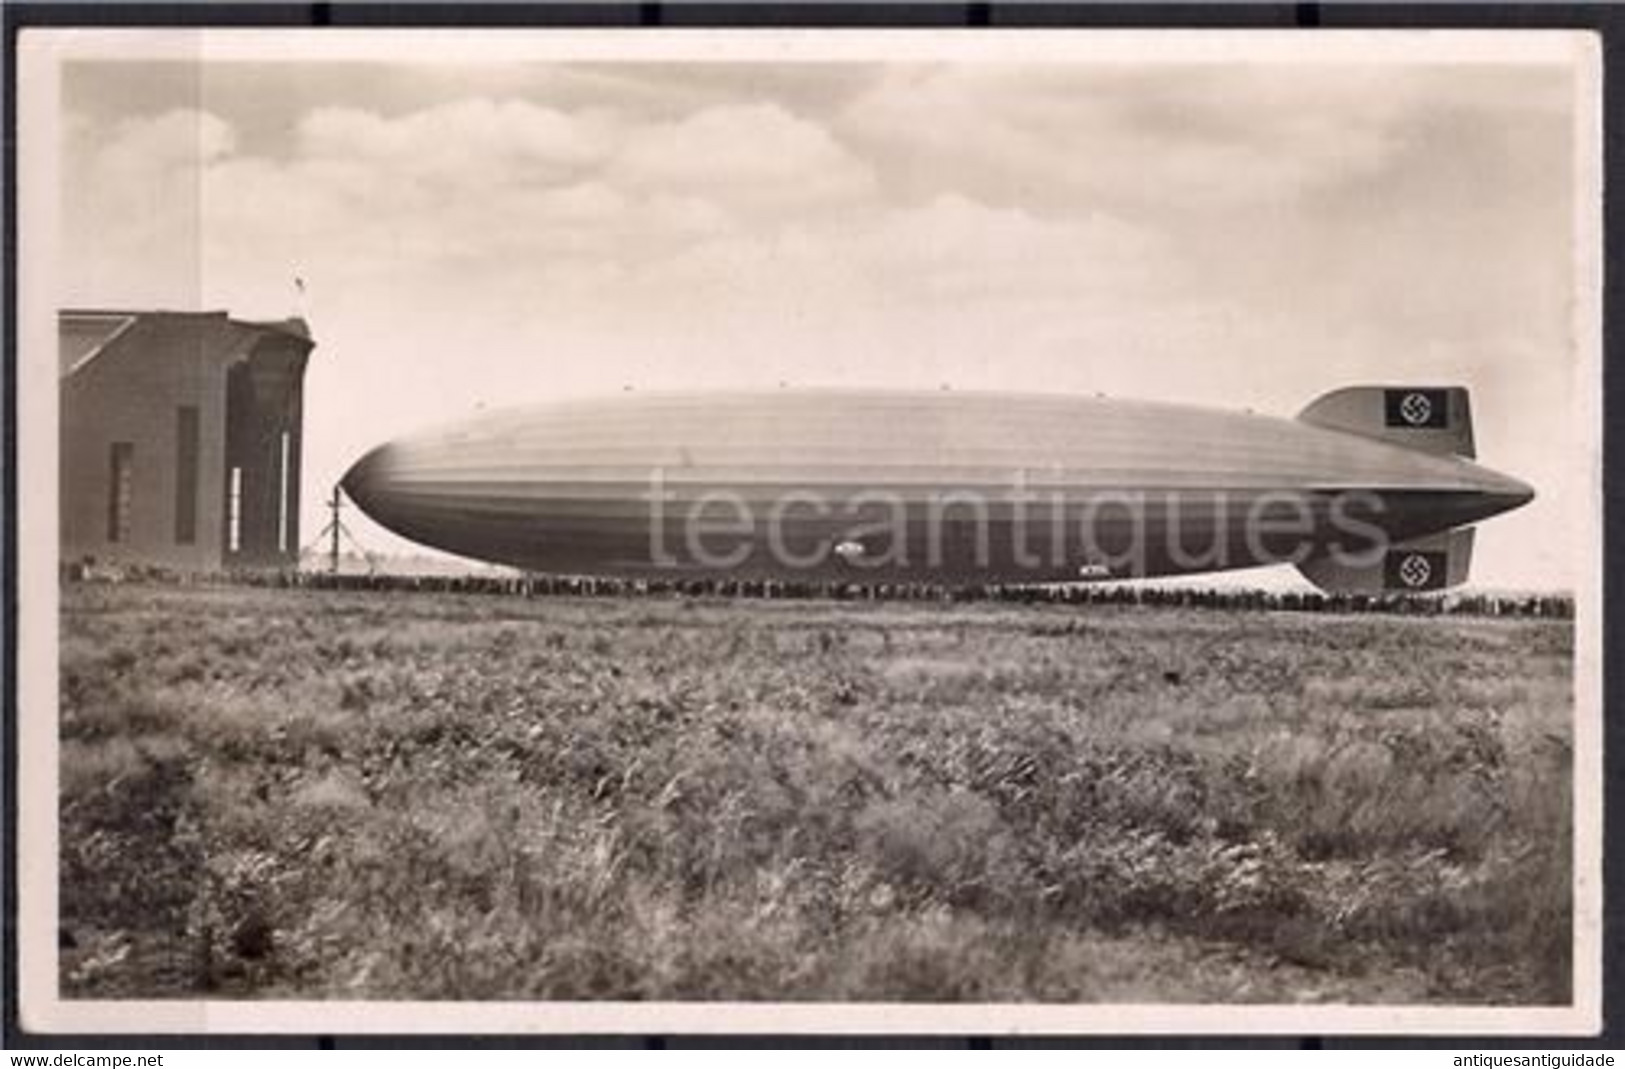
474,234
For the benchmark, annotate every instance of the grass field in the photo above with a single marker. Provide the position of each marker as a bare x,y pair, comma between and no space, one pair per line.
317,794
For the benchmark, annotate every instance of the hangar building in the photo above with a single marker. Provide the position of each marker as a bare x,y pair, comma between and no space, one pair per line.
180,438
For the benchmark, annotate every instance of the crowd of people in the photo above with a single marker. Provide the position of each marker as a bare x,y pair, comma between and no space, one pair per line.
1227,599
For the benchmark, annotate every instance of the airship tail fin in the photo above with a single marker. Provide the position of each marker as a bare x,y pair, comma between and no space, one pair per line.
1434,419
1435,562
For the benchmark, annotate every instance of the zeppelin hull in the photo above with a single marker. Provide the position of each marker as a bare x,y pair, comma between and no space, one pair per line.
907,487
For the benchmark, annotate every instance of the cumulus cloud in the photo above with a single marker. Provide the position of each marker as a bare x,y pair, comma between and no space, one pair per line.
181,138
478,186
464,136
750,155
1083,196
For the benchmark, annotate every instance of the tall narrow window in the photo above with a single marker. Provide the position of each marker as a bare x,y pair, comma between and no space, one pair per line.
186,461
282,500
234,512
119,491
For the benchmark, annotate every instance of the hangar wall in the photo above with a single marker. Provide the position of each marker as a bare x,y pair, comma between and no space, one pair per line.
180,439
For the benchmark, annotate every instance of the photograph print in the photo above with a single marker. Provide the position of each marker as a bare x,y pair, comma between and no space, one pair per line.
913,531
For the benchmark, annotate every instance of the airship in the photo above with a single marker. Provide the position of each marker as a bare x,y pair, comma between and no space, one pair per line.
1368,489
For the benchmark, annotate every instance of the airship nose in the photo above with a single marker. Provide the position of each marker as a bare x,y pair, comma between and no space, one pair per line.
367,483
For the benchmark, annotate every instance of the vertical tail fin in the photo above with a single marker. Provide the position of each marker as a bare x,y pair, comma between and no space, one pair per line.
1433,419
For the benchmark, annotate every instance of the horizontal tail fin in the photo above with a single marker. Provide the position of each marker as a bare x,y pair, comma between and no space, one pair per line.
1419,566
1433,419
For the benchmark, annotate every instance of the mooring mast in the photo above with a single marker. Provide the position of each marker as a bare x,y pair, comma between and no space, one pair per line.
335,532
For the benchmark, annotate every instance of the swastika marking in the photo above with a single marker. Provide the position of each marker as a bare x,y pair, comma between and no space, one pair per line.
1414,570
1416,409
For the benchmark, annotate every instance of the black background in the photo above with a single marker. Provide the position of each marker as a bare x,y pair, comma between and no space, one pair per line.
1393,402
1438,570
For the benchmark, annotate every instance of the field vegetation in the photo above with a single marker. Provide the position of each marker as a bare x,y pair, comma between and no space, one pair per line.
305,793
